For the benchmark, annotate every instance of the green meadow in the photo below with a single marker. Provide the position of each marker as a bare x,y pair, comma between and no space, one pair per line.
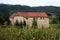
17,33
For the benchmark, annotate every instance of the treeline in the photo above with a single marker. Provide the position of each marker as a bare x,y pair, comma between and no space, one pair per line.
6,10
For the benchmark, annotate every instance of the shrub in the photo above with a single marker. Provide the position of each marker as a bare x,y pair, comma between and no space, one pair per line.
34,24
29,34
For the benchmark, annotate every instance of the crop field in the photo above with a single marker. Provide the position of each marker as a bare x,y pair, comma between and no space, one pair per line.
17,33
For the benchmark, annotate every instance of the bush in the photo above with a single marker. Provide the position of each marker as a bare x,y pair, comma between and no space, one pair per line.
54,22
29,34
19,24
34,24
16,24
24,23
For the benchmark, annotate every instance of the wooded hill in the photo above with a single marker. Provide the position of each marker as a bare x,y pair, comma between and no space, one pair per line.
7,9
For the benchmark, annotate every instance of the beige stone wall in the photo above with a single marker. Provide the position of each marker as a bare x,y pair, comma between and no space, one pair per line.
42,22
21,19
39,22
11,21
17,18
29,21
46,22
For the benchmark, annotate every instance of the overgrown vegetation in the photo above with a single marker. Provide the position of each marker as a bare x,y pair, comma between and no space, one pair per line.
34,23
17,33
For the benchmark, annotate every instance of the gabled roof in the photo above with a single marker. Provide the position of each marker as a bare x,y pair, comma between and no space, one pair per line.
29,14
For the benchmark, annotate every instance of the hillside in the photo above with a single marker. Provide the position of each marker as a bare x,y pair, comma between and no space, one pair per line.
6,10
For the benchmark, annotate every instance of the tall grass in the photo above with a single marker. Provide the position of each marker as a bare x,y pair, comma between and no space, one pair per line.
16,33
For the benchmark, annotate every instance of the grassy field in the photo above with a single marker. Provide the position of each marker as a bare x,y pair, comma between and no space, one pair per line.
16,33
54,25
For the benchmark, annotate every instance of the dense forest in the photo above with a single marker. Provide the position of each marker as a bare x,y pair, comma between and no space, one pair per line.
6,10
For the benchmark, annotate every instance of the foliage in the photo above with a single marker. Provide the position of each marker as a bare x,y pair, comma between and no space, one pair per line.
16,24
15,33
34,23
54,21
24,23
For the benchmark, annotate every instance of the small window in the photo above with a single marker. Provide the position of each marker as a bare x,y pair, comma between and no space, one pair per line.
26,18
40,17
34,18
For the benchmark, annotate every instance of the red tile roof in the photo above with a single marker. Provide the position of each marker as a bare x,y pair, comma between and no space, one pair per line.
29,14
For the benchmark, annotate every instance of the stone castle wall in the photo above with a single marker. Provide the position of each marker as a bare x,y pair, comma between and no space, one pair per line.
41,22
